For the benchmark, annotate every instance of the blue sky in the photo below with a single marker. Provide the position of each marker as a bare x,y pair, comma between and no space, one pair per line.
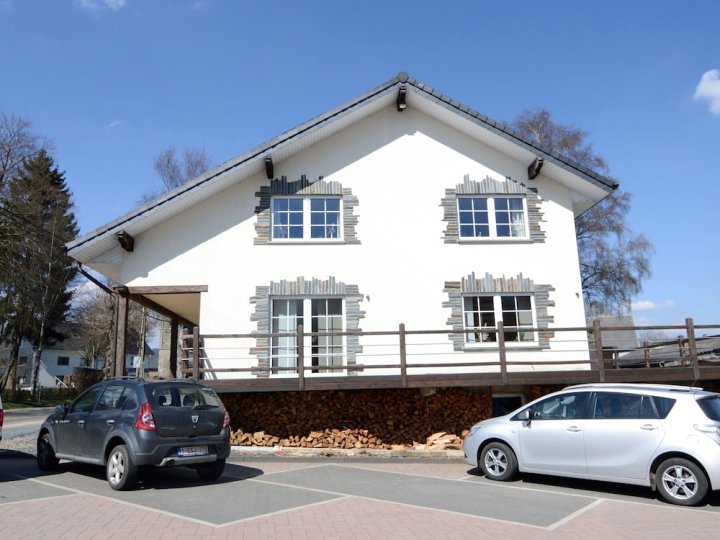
114,82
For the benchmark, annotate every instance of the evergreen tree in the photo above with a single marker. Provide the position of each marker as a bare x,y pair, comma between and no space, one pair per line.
38,214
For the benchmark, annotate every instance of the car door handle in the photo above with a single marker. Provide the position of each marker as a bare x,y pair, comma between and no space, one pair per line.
109,422
574,429
648,427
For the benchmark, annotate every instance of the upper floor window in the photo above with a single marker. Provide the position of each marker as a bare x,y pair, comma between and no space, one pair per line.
63,360
306,218
482,312
492,217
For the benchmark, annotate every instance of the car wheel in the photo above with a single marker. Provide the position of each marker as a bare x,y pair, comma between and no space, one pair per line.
680,481
46,459
498,462
122,473
211,471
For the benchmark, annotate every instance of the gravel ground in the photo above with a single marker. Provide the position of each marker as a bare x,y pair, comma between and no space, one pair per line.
19,444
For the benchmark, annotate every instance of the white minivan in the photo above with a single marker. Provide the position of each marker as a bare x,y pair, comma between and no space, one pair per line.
663,436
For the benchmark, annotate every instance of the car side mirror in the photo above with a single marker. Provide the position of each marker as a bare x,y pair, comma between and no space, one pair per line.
61,409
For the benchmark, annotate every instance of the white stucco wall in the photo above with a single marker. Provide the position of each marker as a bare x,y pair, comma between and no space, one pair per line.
399,166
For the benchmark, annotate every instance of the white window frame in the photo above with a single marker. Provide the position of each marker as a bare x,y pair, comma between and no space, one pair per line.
307,345
307,220
498,314
492,223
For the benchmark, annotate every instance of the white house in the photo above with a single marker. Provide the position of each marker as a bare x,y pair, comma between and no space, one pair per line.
400,206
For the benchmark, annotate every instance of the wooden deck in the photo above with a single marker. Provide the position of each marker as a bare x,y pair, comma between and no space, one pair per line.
683,360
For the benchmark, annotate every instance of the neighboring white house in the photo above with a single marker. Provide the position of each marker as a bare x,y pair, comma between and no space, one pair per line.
62,357
400,206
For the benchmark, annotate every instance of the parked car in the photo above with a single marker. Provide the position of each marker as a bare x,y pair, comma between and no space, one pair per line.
125,424
662,436
2,417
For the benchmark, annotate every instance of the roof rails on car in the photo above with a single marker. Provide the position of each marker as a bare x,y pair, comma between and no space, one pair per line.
640,386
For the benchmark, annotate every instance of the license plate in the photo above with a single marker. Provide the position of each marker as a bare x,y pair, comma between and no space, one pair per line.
188,451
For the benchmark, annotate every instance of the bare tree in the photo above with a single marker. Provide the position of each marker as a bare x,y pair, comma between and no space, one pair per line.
173,173
17,143
613,260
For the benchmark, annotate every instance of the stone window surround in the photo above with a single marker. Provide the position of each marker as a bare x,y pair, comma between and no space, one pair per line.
490,186
302,288
303,186
489,285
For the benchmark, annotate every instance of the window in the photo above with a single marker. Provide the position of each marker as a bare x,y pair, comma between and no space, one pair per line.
492,217
308,218
623,406
562,407
112,398
63,361
317,315
85,402
482,312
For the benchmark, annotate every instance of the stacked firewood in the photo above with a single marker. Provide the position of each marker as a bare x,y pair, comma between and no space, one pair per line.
366,419
347,439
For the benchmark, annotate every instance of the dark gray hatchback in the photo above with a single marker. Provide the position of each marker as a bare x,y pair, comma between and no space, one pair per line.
125,424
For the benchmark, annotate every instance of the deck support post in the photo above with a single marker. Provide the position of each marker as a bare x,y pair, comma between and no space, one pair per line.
123,298
196,353
403,357
301,356
502,351
693,348
599,357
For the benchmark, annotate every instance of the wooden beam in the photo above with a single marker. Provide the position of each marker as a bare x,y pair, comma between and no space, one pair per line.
535,167
173,345
127,242
160,309
121,324
169,289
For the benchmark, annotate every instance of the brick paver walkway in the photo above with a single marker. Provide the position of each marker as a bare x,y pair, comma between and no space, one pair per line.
57,510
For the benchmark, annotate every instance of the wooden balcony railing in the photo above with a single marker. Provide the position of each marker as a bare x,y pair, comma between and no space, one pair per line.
408,358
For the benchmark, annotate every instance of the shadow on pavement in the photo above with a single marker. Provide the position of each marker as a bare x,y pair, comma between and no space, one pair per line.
14,463
592,487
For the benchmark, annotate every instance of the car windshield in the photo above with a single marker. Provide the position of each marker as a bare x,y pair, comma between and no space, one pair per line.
182,395
711,407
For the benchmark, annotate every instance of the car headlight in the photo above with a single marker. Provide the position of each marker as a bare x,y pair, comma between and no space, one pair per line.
473,430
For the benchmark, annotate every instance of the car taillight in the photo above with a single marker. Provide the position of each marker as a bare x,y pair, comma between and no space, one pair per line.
145,418
2,417
226,420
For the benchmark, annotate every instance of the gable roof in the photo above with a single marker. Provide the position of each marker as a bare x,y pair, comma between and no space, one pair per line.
100,247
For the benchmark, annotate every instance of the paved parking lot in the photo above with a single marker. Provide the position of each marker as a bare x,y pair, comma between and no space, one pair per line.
323,498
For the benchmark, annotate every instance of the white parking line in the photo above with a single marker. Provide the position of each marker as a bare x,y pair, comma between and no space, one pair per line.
575,514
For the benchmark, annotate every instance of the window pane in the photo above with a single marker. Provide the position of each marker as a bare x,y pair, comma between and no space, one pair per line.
508,302
502,217
317,205
296,232
482,231
503,230
295,205
465,203
280,204
317,219
281,218
480,203
317,232
501,203
296,218
332,205
515,203
466,230
486,303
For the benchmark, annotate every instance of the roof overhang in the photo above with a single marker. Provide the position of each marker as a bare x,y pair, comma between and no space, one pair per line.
101,249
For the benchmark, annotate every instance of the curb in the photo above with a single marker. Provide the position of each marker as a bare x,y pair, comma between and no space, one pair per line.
273,452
